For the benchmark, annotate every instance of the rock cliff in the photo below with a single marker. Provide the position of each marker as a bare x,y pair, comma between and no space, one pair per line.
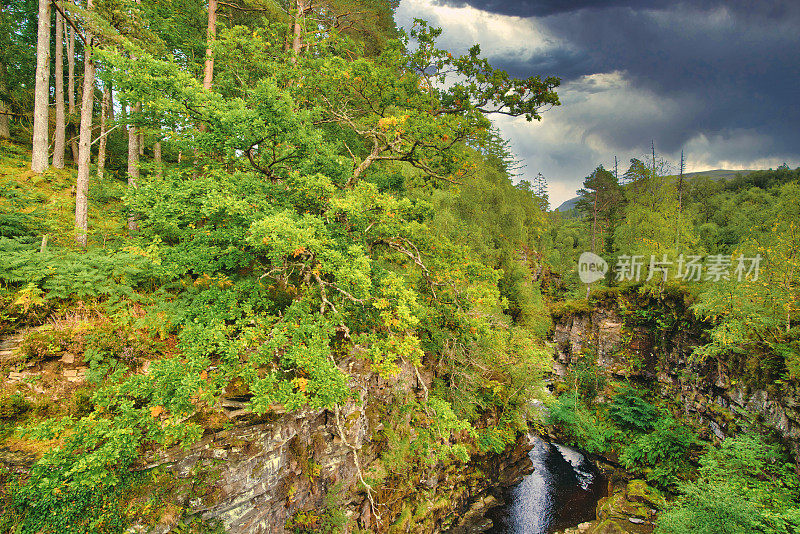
706,392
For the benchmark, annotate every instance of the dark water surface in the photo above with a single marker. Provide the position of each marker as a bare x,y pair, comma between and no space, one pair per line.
562,492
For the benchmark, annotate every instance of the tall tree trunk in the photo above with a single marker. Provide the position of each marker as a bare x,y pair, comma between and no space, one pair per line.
140,142
71,86
157,157
104,117
41,99
133,165
211,34
60,136
297,42
5,130
85,142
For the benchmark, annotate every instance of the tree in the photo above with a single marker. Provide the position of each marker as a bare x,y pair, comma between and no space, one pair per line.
72,33
540,190
59,137
41,111
601,201
211,35
301,8
405,118
85,142
650,223
106,114
133,158
5,130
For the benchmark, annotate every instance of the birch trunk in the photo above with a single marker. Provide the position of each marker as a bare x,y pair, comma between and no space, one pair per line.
60,135
103,144
41,99
85,143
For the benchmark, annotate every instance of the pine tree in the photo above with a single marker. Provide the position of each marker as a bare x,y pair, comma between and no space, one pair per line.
59,137
85,142
41,109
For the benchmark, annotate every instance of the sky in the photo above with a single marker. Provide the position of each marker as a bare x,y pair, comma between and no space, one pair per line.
718,79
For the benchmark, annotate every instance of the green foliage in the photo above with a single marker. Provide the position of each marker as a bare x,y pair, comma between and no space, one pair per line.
582,427
319,222
79,486
13,406
65,274
744,486
664,451
630,411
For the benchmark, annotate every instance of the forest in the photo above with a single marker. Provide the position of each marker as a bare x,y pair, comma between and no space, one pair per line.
223,215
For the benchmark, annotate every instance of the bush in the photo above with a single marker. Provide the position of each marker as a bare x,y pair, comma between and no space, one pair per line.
745,486
583,428
630,411
13,406
664,451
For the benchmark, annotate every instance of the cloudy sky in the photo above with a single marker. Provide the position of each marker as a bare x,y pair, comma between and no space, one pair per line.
719,79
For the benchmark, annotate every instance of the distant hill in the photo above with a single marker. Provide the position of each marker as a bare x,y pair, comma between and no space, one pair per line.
716,174
569,205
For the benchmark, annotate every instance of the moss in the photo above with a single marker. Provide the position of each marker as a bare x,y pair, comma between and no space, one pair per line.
607,526
570,308
639,491
403,522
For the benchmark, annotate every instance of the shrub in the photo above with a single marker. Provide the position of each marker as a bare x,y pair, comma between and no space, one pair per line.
13,406
745,486
630,411
664,450
583,428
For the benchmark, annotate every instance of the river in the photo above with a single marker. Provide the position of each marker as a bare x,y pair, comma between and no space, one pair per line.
562,492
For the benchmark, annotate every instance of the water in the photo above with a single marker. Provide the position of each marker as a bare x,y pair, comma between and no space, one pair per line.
562,492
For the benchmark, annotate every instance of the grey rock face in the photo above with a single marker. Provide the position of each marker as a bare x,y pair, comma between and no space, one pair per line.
704,389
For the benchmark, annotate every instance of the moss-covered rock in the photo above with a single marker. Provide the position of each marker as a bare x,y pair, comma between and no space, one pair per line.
638,491
607,526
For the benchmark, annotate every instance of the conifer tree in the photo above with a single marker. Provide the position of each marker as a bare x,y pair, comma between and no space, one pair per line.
41,103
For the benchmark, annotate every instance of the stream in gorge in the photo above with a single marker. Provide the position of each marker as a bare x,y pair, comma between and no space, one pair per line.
562,492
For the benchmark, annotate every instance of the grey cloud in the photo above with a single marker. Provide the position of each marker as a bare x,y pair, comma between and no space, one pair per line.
719,78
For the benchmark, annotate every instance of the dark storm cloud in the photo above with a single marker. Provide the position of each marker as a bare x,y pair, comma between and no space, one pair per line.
543,8
735,63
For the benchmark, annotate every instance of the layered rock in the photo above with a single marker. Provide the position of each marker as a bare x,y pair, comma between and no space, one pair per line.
259,477
703,390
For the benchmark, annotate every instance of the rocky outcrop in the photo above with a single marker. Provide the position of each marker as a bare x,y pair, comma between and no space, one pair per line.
260,476
629,508
702,390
